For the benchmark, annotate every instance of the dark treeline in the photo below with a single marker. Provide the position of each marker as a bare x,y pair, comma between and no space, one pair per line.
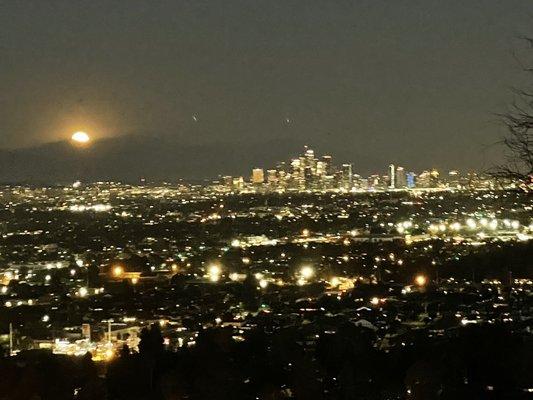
495,260
478,363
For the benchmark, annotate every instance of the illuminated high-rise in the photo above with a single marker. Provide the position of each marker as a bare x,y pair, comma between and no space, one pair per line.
347,176
424,179
392,176
401,178
328,164
258,176
238,183
272,177
411,180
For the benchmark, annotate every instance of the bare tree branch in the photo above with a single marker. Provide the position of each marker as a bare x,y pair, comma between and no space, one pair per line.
518,141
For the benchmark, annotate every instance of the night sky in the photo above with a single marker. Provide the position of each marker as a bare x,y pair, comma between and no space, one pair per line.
415,82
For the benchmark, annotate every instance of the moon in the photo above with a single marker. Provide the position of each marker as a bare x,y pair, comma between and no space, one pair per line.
80,137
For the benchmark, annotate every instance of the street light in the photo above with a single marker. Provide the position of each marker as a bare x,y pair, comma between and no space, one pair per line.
420,280
118,271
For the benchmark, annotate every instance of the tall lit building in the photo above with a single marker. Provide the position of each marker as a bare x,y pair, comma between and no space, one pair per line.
227,182
310,161
272,176
258,176
347,176
454,179
238,183
374,182
411,180
434,177
359,182
424,179
392,176
401,178
320,168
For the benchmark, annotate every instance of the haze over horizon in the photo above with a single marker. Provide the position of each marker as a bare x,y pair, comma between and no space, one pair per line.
414,83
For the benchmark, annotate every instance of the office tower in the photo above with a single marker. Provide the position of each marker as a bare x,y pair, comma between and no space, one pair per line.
392,176
258,176
295,167
272,177
296,178
424,180
401,178
434,177
238,183
454,179
227,181
374,182
328,165
320,168
359,182
347,177
411,180
283,178
310,160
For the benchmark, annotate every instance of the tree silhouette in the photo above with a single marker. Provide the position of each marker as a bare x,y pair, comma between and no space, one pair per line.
125,351
151,343
518,142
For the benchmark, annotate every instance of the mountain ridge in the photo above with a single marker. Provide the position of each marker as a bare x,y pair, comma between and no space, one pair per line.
131,157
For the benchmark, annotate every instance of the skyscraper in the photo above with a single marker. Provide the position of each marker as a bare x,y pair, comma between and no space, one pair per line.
327,161
347,176
424,179
258,176
411,180
392,176
238,183
272,177
401,178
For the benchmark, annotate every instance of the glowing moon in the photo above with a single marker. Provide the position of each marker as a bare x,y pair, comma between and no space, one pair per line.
80,137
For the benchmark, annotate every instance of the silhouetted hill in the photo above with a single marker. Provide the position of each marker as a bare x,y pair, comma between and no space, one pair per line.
128,158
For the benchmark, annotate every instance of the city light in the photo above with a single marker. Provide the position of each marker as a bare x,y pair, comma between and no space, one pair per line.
118,271
234,276
471,223
307,272
456,226
166,233
214,272
420,280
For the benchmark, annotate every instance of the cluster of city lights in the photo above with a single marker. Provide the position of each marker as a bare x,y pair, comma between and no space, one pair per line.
470,224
